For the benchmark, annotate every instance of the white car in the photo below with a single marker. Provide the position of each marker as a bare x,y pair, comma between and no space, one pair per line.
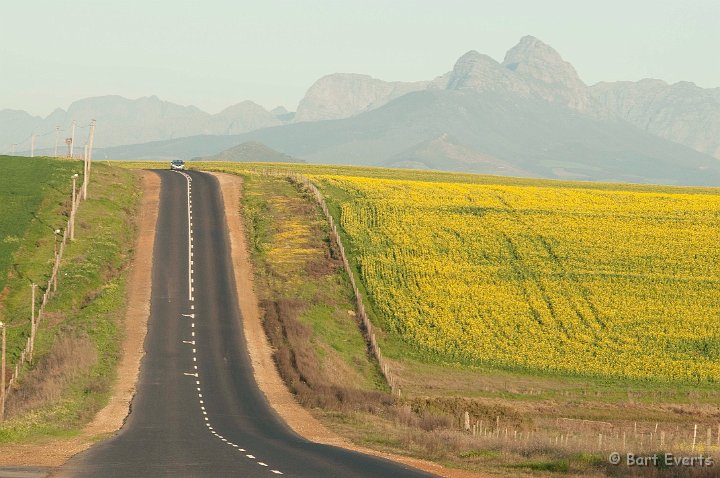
177,164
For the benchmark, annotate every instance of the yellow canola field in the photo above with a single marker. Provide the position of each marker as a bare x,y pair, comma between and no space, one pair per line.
576,281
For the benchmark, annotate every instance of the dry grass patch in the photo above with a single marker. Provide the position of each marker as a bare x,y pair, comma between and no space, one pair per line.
70,357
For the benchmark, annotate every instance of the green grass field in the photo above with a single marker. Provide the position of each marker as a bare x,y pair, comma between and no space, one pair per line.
26,183
77,345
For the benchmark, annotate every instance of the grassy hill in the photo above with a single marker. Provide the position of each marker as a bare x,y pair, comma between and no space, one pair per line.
252,151
26,183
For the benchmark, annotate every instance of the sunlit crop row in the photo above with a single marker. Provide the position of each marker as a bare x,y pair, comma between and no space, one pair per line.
580,281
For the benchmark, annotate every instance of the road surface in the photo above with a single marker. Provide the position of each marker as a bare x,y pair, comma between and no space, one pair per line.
198,411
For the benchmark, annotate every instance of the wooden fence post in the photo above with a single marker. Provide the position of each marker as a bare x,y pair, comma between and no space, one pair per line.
32,322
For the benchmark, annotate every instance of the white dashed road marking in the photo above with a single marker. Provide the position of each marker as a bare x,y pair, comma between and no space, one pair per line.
191,298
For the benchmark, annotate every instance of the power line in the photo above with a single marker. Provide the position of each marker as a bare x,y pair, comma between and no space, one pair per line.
13,149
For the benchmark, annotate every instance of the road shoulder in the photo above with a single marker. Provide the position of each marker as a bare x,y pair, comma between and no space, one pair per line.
139,291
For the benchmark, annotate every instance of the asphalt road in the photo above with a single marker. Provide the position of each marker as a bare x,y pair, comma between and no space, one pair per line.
198,411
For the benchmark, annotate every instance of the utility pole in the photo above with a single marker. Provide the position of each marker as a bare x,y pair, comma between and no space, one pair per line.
72,138
57,261
32,146
72,209
57,138
86,171
90,142
32,323
2,372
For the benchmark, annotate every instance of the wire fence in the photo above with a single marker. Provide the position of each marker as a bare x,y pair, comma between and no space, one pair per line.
368,328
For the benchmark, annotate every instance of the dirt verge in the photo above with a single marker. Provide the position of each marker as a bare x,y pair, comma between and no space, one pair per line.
266,375
139,290
54,452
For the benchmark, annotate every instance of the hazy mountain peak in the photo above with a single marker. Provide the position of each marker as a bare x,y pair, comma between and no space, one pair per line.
687,85
253,151
530,47
473,58
243,106
283,114
540,61
341,95
532,51
241,117
479,72
549,76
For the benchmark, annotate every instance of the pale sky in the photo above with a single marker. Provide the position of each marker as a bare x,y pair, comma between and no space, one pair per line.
215,53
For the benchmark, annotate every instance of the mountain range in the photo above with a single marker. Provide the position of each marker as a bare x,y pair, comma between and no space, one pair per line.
530,114
124,121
